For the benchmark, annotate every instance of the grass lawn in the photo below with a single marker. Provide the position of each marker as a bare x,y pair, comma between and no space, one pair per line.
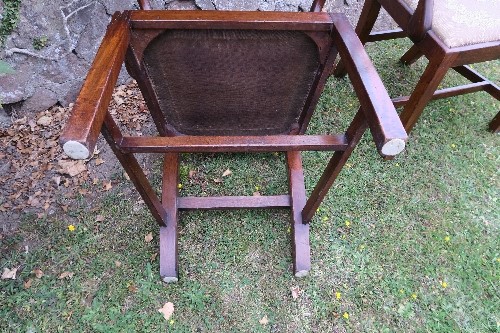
409,245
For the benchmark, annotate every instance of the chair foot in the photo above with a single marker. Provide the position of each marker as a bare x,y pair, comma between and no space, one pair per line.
169,279
168,255
301,274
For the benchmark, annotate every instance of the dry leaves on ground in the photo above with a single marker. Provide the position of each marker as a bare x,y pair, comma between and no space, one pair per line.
167,310
38,273
9,273
34,171
66,275
264,321
295,292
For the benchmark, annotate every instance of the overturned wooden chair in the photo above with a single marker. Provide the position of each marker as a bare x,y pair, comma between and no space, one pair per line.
450,34
230,82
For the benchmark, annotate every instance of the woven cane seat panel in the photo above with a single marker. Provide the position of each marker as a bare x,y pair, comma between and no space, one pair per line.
231,82
466,22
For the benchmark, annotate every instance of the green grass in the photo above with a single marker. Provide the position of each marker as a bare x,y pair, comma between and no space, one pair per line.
428,217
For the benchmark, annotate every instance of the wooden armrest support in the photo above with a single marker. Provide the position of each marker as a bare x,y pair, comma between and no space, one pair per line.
84,124
388,132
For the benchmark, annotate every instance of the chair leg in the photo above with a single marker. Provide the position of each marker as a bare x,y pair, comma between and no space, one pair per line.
495,124
412,55
134,171
424,90
301,250
367,19
168,235
354,133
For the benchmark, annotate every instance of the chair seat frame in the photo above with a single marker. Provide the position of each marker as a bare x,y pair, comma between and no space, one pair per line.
333,35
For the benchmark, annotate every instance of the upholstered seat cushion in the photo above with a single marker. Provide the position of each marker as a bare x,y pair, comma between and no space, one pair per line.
465,22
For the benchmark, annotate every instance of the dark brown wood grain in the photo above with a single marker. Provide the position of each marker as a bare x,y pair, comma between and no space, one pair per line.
421,20
144,4
378,109
217,144
196,19
317,5
418,26
90,107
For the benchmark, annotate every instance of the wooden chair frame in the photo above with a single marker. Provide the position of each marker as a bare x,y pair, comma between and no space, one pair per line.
417,26
332,33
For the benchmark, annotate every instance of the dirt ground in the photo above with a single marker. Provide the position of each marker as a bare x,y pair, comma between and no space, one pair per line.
37,179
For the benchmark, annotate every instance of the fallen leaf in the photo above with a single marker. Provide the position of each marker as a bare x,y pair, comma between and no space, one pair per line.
132,288
256,194
44,121
71,168
27,284
264,320
149,237
99,218
38,273
66,274
295,292
117,263
127,177
191,173
167,310
153,256
227,173
9,273
217,180
107,185
99,161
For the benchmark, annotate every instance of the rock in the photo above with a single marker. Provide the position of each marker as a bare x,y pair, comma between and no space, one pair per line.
42,99
267,6
180,5
236,4
67,35
205,4
5,122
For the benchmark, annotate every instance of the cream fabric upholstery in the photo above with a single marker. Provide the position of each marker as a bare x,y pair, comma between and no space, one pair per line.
465,22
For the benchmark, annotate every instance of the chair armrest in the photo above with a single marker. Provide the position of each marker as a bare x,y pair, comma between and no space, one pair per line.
84,124
386,127
421,20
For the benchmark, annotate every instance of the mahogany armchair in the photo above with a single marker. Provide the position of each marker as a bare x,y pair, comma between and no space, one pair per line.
230,82
450,34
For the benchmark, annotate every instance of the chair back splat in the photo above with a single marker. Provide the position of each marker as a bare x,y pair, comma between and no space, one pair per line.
230,82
